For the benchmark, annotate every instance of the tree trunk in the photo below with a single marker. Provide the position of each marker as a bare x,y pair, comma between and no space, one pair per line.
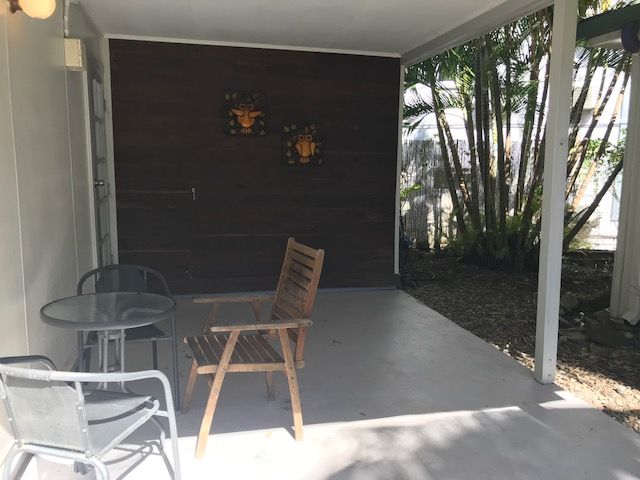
483,163
457,209
584,218
503,195
578,107
536,176
575,204
479,115
527,130
602,148
526,236
489,192
508,110
538,146
453,148
583,147
473,154
575,146
437,225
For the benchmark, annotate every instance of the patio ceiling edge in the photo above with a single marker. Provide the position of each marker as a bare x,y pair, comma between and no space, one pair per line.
496,17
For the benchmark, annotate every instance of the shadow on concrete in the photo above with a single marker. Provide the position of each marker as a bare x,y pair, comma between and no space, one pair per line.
394,390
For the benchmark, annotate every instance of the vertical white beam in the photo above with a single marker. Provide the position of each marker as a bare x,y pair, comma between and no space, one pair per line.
108,124
91,175
555,177
396,244
626,268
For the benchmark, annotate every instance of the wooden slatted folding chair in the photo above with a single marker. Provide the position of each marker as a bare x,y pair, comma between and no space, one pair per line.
245,347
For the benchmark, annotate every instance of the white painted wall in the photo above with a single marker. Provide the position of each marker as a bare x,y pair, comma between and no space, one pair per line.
41,248
39,108
13,340
12,311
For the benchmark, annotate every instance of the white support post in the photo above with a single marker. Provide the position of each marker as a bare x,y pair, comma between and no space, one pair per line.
108,123
555,177
396,233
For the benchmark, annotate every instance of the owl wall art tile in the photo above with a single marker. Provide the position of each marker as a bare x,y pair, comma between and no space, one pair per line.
245,113
302,144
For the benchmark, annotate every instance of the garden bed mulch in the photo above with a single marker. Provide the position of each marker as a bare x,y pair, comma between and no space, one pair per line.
500,307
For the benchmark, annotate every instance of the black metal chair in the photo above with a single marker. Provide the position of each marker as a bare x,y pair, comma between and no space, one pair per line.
50,414
133,278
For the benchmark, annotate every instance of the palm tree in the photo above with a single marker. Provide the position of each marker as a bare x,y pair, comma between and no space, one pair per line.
490,80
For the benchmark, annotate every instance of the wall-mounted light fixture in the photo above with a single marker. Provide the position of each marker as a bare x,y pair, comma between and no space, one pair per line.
34,8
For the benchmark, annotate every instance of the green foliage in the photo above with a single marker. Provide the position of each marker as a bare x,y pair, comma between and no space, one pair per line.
467,245
490,79
610,153
616,153
406,192
581,241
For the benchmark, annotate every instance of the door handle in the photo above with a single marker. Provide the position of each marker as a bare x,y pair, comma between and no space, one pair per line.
98,183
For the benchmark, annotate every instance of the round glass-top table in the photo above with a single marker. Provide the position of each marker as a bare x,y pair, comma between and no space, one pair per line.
107,312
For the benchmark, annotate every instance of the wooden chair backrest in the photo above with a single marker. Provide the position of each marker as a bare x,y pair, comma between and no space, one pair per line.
297,288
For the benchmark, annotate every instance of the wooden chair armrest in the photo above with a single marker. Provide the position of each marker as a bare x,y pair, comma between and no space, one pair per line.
234,299
269,325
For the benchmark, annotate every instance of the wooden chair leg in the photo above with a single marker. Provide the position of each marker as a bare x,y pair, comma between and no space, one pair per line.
271,392
207,418
292,378
211,317
191,383
256,307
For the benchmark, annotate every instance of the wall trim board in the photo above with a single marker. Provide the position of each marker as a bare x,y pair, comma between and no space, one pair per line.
396,239
263,46
73,186
90,171
108,124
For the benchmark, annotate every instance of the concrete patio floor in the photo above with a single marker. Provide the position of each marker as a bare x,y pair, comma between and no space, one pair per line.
391,390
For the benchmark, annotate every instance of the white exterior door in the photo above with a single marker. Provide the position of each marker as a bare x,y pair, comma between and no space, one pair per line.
102,187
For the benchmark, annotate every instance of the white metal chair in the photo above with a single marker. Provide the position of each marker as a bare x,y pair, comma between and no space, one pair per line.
50,414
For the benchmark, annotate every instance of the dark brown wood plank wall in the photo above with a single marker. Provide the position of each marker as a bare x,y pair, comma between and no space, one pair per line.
168,139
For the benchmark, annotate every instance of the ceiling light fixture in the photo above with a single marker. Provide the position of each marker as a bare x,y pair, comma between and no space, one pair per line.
34,8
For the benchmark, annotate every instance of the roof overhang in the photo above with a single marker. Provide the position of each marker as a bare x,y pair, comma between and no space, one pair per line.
607,22
409,29
604,30
485,23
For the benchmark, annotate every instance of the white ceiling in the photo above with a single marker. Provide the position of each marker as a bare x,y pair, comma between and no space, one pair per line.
389,27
